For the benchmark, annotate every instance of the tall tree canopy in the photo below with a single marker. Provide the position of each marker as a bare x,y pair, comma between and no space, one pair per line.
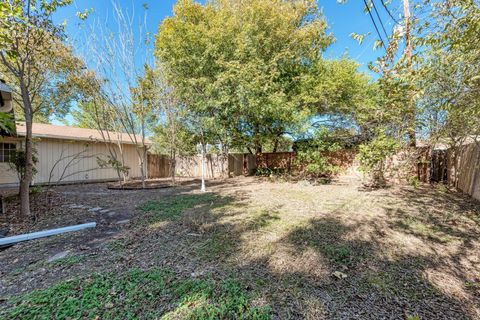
38,65
251,71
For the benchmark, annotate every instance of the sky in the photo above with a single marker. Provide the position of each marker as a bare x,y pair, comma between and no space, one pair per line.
343,20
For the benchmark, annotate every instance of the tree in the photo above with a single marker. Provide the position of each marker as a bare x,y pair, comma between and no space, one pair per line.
120,105
239,66
38,65
450,68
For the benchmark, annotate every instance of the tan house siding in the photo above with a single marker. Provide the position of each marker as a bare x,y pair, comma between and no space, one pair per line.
7,176
73,161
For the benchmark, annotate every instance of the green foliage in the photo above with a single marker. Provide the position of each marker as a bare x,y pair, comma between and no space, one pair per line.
87,115
246,70
340,254
219,245
414,181
7,124
185,139
36,189
269,172
449,72
313,155
112,162
170,208
18,162
151,294
372,155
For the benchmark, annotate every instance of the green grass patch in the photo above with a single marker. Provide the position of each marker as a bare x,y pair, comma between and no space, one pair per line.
263,219
338,253
170,208
68,261
137,294
425,230
397,281
219,245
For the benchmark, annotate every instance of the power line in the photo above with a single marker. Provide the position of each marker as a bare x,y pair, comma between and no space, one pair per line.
379,18
388,11
374,23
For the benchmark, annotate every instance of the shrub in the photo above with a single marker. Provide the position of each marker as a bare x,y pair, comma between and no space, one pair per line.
269,172
372,156
312,156
18,162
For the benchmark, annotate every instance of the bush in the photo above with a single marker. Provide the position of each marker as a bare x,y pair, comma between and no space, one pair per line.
18,162
312,156
372,156
269,172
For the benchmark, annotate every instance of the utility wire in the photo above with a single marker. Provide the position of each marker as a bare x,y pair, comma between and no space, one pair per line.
388,11
374,23
379,18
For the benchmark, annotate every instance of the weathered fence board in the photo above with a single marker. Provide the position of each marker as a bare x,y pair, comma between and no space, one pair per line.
458,167
158,166
464,169
217,166
276,160
438,166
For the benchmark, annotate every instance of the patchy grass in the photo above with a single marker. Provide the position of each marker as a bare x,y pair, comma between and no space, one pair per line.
151,294
170,208
67,261
263,219
340,254
425,230
309,252
218,245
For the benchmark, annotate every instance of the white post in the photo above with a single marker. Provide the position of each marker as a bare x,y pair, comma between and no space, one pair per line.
203,168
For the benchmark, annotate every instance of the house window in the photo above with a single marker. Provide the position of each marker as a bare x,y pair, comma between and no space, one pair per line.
6,151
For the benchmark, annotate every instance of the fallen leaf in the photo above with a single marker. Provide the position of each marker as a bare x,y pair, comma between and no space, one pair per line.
339,275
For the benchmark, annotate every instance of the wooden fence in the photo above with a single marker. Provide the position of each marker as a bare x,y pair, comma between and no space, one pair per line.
158,166
237,164
458,167
465,175
438,166
276,160
287,160
217,166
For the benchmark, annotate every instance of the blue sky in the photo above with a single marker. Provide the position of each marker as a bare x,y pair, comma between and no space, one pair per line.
343,19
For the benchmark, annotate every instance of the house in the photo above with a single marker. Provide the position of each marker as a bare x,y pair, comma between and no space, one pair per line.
6,105
67,154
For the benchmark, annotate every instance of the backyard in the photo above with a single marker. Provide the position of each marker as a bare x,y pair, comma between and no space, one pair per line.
251,248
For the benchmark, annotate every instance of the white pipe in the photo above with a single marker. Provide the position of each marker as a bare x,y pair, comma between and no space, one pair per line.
46,233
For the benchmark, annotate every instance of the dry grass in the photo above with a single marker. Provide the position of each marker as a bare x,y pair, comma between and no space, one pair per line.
397,253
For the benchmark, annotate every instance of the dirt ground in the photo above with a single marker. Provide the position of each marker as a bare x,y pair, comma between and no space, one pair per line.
332,251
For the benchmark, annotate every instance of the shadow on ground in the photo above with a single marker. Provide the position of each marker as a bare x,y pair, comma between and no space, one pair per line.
320,267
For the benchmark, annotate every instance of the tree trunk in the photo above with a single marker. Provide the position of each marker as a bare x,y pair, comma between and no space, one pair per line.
203,168
27,175
275,145
173,164
408,52
173,148
142,166
225,170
